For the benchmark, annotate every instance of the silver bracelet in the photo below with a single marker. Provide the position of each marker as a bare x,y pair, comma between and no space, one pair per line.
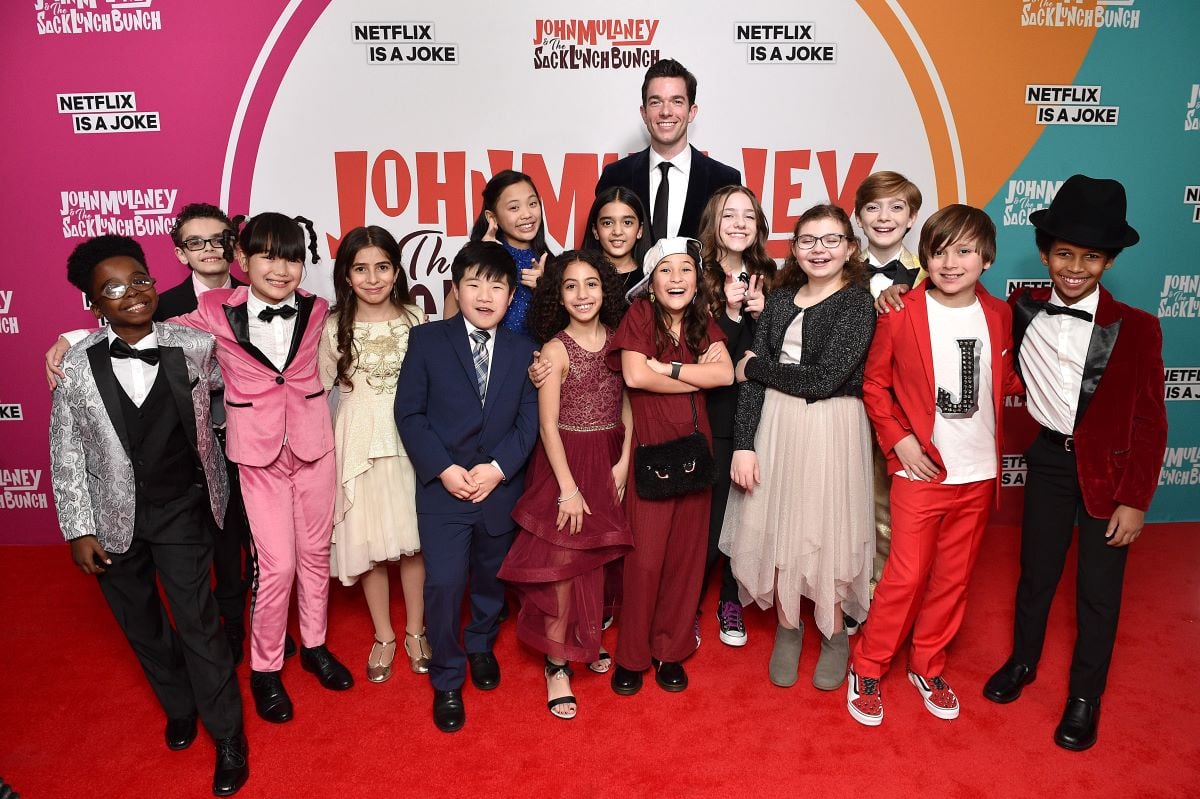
561,500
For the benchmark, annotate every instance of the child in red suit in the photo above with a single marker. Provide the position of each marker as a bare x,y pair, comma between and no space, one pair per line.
936,376
1094,373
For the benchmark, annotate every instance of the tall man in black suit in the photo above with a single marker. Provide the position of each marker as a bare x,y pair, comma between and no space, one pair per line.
203,235
675,204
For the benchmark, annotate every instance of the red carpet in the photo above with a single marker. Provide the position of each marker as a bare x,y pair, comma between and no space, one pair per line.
77,718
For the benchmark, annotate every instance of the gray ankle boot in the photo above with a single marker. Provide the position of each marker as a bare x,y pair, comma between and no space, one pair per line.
831,666
785,657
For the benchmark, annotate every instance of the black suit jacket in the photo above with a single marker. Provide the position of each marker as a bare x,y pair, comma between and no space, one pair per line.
706,176
181,299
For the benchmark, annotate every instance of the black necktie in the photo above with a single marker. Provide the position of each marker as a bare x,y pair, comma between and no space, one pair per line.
269,313
658,223
121,349
1056,310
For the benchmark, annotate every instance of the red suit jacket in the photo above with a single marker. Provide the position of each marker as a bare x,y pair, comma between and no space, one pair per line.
264,404
1121,423
899,390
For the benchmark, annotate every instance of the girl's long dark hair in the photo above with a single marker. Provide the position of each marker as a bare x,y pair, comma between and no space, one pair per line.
547,316
792,276
754,259
491,196
617,194
346,301
278,236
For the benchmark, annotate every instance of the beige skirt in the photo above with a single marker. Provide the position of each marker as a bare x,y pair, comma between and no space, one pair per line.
381,524
808,530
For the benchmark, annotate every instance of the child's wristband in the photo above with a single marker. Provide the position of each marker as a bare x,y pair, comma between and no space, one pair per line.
675,367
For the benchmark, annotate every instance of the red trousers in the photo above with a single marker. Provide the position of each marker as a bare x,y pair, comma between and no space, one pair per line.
662,579
936,532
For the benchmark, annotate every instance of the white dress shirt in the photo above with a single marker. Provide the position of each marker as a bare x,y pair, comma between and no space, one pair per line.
1052,356
135,377
677,185
274,338
880,282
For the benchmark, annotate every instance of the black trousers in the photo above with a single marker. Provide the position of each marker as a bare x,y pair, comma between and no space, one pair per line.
233,563
189,666
723,457
1053,506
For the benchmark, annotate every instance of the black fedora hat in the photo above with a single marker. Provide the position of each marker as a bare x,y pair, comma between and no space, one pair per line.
1089,212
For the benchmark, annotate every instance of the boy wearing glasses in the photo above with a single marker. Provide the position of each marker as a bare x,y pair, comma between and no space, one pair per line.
203,235
136,472
935,381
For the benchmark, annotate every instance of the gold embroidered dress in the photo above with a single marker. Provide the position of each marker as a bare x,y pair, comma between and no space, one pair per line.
375,516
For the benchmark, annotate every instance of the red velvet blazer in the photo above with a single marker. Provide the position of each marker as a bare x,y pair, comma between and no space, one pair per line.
899,391
1121,424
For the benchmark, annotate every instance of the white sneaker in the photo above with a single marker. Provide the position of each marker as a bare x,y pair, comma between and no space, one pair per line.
940,699
864,699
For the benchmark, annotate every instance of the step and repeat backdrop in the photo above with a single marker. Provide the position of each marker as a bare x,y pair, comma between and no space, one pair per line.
119,112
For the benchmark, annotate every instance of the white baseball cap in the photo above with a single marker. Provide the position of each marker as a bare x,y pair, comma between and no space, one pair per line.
677,245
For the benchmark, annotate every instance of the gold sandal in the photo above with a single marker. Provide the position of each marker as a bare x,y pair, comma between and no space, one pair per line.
419,661
377,669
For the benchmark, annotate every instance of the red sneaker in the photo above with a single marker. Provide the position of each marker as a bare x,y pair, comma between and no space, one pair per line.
864,699
939,697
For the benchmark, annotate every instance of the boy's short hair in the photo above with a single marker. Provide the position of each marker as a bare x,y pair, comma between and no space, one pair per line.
490,260
887,184
1045,242
83,259
958,223
197,211
670,68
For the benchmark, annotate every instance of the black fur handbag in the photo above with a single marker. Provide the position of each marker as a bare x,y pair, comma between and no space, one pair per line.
676,467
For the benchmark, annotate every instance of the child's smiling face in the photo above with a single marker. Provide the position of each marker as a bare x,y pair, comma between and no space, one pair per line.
136,308
272,279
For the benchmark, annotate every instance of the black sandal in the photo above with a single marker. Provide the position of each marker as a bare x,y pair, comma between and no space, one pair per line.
602,664
552,670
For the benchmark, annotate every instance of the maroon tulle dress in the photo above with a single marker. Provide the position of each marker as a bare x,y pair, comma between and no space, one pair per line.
560,577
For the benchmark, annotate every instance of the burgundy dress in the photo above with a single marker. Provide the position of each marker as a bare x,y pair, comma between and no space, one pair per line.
559,577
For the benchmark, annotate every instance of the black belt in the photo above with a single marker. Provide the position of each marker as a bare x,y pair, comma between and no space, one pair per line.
1058,439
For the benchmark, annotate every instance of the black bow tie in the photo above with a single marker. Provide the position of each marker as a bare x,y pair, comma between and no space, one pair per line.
284,311
121,349
894,270
1056,310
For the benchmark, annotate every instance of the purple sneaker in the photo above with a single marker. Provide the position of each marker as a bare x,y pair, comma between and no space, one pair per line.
733,630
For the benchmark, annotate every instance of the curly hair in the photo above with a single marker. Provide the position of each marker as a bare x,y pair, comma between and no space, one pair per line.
82,261
854,273
547,315
197,211
346,301
754,259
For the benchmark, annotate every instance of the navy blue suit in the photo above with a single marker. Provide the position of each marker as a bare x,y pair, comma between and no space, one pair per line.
442,423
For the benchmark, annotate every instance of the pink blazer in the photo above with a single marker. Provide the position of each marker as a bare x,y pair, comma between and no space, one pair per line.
263,404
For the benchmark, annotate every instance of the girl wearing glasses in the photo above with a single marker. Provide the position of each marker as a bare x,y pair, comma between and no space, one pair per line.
799,523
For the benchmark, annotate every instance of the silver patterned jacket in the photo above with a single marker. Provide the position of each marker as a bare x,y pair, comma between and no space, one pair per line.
89,447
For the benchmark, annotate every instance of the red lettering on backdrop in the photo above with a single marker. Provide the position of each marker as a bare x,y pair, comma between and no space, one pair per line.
350,170
431,191
391,162
577,190
860,168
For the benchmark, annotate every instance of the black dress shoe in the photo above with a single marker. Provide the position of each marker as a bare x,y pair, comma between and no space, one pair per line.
289,646
233,765
449,714
1005,685
321,662
626,682
180,732
485,670
1077,730
670,676
270,699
